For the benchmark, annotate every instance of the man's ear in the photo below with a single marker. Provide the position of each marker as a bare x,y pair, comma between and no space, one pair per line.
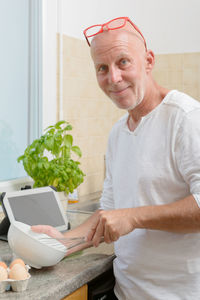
150,60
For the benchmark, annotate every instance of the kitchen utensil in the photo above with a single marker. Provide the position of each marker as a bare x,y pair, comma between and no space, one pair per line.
32,248
67,242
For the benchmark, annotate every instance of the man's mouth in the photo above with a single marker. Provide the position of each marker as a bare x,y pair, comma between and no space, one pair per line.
118,91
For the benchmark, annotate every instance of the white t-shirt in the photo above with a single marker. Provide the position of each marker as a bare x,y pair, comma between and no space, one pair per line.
157,163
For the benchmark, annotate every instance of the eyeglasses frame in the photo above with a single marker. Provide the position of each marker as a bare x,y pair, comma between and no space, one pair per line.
106,25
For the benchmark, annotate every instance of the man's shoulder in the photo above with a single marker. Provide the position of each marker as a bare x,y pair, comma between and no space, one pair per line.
121,122
182,101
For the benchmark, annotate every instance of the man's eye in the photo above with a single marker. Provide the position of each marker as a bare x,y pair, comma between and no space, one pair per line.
124,62
102,69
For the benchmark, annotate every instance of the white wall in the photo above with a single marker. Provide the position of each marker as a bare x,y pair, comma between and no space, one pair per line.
170,26
49,67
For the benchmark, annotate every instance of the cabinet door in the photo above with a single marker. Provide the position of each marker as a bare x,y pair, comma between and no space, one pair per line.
80,294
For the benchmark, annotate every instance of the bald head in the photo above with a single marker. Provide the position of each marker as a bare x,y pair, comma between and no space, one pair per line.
126,36
107,40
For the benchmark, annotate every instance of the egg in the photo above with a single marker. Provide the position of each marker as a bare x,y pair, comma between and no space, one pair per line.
3,273
18,272
3,264
17,261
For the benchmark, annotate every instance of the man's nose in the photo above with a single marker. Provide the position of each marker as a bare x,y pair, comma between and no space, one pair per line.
114,75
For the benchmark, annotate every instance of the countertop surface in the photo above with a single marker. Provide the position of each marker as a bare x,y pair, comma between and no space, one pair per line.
68,275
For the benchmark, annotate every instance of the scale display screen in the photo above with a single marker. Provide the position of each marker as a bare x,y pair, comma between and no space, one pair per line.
36,207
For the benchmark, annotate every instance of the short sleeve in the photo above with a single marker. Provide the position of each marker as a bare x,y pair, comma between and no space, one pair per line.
197,198
188,151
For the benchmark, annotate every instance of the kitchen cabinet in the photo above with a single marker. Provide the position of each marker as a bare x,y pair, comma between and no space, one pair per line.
80,294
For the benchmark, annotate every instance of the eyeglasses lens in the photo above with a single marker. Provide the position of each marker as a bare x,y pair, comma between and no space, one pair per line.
116,23
94,30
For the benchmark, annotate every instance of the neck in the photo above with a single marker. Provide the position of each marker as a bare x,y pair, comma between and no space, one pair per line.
153,97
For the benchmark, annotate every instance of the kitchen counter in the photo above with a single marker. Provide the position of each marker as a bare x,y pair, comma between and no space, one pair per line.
68,275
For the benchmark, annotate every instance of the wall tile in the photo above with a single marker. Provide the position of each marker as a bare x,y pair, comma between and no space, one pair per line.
191,60
92,164
179,71
190,76
92,184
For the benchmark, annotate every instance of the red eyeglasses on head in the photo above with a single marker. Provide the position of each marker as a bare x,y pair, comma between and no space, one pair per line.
110,25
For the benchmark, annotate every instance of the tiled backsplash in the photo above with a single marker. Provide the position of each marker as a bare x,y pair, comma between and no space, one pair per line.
92,114
179,71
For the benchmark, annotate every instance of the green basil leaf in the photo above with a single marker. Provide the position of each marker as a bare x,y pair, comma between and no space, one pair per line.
77,150
68,140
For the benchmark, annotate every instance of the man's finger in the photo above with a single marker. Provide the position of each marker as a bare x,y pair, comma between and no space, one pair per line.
98,234
41,228
90,234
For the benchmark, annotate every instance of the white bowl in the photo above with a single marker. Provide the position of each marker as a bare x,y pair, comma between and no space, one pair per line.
32,247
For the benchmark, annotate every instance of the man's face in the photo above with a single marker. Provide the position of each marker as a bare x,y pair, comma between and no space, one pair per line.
120,62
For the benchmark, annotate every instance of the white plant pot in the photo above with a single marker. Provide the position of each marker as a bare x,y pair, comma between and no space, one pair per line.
64,199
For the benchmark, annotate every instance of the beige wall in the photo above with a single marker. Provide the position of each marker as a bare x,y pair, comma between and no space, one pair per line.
179,71
92,114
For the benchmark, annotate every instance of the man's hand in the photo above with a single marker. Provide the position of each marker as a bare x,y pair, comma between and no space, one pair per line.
110,225
181,216
49,230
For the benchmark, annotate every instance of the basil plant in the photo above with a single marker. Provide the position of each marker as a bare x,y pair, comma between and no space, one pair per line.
48,159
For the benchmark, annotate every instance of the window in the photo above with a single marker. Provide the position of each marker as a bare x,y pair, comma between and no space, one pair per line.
21,82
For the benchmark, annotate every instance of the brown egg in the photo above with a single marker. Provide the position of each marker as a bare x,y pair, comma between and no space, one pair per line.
17,261
3,273
3,264
18,272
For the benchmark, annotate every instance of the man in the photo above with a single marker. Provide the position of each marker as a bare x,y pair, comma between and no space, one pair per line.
151,196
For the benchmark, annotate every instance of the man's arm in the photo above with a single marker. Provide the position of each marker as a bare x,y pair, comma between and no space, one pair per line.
182,216
80,231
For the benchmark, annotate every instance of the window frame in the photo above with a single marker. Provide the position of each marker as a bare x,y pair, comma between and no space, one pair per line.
35,86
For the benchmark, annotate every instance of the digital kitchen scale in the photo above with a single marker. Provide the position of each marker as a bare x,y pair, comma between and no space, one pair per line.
39,206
